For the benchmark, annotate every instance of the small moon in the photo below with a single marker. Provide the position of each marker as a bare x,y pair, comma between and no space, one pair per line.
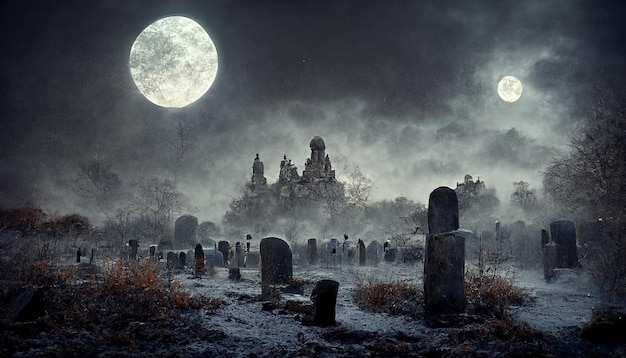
510,89
173,62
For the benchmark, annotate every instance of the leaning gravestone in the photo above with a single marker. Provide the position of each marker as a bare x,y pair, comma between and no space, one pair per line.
324,298
444,264
276,264
311,251
373,253
185,229
199,266
224,248
361,252
563,235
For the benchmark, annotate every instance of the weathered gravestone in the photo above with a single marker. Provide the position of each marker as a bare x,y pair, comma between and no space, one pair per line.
373,253
444,264
172,260
133,249
213,258
361,252
253,259
199,266
391,255
563,235
240,254
185,229
182,260
152,251
324,298
233,263
224,248
549,260
311,251
276,264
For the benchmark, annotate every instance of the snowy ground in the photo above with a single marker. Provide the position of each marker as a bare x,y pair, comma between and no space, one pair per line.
250,331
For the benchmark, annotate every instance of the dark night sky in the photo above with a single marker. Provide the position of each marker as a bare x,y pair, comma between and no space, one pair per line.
403,89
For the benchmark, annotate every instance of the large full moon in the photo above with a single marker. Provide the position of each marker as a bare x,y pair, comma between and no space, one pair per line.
510,88
173,62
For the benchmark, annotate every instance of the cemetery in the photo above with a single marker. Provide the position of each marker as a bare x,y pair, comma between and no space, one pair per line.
345,297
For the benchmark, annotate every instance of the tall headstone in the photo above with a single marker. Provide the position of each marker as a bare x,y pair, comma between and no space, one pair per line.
373,253
311,251
182,260
324,298
185,230
276,263
549,260
361,252
224,248
563,233
444,264
133,248
233,263
152,251
199,266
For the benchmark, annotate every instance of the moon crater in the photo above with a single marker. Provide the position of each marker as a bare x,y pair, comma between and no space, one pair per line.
173,62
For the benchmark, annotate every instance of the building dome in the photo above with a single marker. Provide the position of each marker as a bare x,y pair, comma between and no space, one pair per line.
317,143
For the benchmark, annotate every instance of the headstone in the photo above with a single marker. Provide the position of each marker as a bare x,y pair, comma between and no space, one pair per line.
276,263
361,252
152,251
333,252
185,229
391,255
324,298
253,258
549,260
373,253
233,264
213,258
182,260
240,254
224,248
545,238
444,264
199,266
78,256
498,232
311,251
172,260
563,235
133,249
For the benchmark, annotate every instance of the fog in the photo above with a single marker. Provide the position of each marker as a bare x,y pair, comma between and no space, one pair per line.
405,91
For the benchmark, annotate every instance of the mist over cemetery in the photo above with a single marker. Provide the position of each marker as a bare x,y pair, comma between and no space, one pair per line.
306,265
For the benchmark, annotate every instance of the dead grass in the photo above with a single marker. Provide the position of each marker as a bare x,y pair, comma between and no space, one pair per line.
397,298
492,295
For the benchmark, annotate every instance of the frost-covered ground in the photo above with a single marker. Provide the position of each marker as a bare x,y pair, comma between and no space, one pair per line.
559,309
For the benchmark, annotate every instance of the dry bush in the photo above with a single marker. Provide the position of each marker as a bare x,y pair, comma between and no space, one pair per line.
608,267
492,294
117,296
398,298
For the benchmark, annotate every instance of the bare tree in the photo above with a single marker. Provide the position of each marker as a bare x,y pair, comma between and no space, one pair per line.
522,196
157,200
358,187
96,183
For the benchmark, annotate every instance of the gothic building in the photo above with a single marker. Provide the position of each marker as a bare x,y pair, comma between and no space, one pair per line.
291,185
